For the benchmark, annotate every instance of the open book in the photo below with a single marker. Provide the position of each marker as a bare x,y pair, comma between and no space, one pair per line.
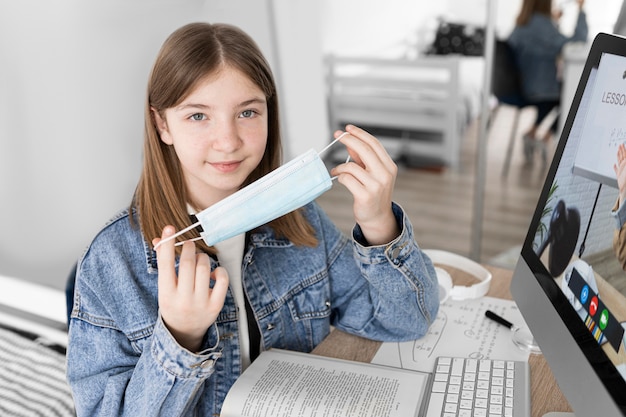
281,383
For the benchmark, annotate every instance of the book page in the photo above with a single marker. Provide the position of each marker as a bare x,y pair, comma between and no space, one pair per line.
282,383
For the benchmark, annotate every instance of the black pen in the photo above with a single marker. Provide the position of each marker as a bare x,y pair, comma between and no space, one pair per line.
493,316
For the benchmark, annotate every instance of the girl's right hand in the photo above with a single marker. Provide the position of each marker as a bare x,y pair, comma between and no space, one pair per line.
188,305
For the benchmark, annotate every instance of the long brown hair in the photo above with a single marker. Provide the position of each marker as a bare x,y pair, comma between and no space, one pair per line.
188,55
533,6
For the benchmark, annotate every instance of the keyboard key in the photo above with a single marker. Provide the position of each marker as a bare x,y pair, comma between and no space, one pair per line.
439,386
481,403
495,399
467,395
450,408
482,393
441,377
466,404
457,367
497,381
471,365
435,405
454,389
452,398
468,385
443,369
469,377
456,380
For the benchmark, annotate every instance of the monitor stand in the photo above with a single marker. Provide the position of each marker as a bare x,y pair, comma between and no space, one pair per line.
558,414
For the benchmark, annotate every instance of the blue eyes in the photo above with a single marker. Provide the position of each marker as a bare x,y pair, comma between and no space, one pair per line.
198,117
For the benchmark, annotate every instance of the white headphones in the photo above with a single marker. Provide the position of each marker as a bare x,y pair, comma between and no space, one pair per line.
458,292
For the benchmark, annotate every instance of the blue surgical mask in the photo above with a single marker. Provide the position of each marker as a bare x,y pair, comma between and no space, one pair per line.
283,190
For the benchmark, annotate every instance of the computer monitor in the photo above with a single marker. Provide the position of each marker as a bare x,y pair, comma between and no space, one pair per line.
568,282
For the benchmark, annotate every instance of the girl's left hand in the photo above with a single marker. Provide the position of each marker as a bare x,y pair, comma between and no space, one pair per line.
370,176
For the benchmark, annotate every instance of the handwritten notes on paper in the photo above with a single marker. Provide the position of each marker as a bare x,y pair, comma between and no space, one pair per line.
460,329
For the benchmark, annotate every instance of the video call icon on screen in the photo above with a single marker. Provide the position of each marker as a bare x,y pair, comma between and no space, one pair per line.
600,322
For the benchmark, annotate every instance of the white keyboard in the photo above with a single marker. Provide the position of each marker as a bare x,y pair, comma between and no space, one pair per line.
479,388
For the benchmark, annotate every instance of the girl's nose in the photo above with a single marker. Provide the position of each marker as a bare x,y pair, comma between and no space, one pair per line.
225,138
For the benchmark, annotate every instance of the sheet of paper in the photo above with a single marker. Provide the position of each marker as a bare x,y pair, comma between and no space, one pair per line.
460,329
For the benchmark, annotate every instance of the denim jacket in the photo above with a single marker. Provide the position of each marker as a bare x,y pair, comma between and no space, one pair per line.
122,360
537,46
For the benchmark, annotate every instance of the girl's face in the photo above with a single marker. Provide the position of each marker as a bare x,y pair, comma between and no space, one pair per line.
219,133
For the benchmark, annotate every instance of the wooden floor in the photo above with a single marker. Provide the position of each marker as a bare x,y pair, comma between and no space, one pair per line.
440,202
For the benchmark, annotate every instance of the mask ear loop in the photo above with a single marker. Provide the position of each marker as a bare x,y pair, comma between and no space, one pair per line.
331,144
196,224
174,236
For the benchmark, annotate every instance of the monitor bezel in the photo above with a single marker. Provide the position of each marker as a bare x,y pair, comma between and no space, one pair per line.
598,361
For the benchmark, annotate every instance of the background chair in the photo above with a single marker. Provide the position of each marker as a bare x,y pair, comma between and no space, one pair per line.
506,87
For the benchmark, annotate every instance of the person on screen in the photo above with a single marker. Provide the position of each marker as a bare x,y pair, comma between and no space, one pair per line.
537,44
168,331
619,211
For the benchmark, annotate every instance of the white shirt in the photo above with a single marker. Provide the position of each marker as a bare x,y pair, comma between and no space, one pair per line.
230,256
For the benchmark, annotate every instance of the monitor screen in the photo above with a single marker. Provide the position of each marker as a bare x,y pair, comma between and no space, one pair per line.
570,281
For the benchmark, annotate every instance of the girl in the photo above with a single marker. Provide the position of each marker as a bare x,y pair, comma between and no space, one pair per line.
167,331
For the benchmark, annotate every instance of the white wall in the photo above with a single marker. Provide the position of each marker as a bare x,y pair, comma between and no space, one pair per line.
72,87
73,80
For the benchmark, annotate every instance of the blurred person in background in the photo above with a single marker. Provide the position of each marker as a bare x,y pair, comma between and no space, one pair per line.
537,44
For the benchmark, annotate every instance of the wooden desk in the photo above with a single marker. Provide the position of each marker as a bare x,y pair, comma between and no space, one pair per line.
545,393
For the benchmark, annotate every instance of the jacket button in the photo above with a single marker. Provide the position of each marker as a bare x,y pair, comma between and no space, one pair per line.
270,326
207,363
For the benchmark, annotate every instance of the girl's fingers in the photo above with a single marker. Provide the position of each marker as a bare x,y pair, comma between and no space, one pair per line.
218,293
202,284
362,154
166,260
373,143
361,177
187,269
